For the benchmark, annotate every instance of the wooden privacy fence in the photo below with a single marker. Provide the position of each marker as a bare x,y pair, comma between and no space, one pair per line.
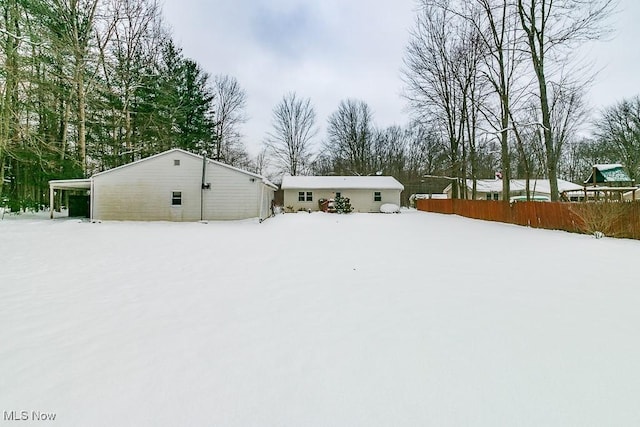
611,219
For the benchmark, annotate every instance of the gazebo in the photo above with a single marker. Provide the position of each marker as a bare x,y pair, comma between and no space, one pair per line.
608,182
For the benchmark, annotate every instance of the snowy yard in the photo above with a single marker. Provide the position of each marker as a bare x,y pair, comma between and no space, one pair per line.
318,320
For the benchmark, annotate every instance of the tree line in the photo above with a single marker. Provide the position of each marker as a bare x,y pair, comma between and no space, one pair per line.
425,158
88,85
504,73
493,86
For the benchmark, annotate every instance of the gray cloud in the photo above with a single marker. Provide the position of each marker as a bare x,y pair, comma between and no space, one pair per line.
292,34
335,49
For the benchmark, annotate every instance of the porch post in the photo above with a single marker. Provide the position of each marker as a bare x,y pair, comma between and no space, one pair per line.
51,194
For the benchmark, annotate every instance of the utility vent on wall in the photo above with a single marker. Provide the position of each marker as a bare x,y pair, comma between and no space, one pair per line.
176,162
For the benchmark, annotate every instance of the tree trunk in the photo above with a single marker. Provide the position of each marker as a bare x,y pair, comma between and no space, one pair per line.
9,98
82,139
552,161
536,44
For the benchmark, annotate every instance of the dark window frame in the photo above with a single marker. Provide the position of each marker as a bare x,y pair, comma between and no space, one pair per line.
301,196
176,198
377,196
176,162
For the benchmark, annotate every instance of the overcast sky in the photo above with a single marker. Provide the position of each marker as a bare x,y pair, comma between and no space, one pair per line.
330,50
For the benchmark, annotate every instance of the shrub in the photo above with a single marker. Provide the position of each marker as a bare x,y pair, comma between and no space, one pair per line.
600,218
343,205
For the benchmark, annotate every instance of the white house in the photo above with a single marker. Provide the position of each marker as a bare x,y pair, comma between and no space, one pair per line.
366,193
491,189
174,186
632,195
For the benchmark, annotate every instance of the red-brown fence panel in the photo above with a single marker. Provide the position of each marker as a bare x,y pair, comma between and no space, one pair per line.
443,206
613,219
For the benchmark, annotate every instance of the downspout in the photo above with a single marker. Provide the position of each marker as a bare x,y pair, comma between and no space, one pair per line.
204,185
261,200
91,201
51,198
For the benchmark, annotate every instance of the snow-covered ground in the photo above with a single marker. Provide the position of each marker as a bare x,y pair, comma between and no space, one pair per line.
317,319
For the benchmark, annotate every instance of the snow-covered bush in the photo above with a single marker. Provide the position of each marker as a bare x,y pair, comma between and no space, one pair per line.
389,208
343,205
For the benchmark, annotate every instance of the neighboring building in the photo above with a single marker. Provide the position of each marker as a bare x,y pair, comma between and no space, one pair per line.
610,175
419,196
609,182
175,186
491,189
632,195
366,193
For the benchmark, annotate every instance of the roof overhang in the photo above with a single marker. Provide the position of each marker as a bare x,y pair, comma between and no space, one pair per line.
335,182
70,184
612,189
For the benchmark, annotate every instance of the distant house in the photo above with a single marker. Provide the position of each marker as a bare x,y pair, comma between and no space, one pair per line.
632,195
421,196
491,189
366,193
174,186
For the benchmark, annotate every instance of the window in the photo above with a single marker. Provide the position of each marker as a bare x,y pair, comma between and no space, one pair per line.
488,196
495,196
176,162
377,196
176,198
338,194
305,197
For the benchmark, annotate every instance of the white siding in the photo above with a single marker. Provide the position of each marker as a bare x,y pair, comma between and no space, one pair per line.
361,200
142,191
235,195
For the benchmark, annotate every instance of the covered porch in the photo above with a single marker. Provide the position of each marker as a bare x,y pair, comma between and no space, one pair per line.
71,185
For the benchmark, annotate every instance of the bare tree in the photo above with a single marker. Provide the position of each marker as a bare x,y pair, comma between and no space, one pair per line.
350,138
497,30
446,76
528,142
580,156
128,45
568,114
619,127
229,103
431,64
473,88
554,28
293,129
390,151
494,28
262,162
425,152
